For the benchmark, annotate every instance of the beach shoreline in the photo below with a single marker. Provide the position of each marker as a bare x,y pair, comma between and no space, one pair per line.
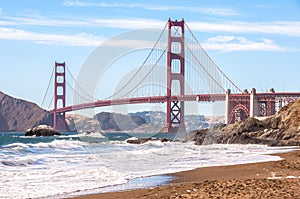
270,179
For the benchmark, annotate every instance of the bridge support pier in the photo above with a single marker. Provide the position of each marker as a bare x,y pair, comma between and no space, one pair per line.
59,122
227,106
254,104
271,107
175,73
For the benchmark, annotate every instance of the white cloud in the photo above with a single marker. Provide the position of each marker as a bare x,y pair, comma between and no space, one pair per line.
81,39
289,28
43,21
128,23
220,39
136,23
232,43
77,3
220,43
6,23
209,11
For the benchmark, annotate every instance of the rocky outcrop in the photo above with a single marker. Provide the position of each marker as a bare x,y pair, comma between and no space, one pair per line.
41,130
144,140
282,129
18,115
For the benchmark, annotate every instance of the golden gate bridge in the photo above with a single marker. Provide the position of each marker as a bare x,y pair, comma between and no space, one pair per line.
176,71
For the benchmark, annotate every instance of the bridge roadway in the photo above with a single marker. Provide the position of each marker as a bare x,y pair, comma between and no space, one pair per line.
161,99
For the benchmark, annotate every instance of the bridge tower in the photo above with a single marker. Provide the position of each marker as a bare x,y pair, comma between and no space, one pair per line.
59,122
175,72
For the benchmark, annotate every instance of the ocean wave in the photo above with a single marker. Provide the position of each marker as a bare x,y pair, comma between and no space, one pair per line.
16,145
60,144
56,144
18,161
131,138
92,134
72,169
155,143
70,179
84,134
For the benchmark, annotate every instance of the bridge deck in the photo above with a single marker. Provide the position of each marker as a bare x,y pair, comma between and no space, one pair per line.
162,99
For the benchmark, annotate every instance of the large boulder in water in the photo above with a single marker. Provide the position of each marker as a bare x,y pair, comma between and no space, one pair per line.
41,130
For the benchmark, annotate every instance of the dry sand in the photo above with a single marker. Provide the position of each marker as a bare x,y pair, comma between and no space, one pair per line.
280,179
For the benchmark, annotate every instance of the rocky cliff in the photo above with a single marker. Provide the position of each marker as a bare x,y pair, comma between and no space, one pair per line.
20,115
282,129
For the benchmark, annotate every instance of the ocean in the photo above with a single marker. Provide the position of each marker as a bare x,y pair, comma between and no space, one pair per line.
78,164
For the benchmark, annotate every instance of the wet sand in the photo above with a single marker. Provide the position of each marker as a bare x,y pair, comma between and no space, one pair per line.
279,179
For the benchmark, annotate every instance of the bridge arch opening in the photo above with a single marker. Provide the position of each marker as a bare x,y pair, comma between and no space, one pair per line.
238,113
176,31
175,66
60,69
60,90
176,47
175,87
60,103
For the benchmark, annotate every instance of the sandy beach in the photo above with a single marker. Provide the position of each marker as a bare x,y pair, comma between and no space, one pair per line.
279,179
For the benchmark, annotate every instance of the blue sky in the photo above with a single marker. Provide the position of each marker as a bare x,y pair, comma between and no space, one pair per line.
256,43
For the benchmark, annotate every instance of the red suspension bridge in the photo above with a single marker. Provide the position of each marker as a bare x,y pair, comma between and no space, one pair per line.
176,70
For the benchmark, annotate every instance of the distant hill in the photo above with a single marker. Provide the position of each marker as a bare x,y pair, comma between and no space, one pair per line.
18,115
118,122
144,121
156,120
104,121
82,123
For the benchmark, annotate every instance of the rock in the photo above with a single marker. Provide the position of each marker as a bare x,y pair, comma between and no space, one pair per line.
144,140
41,130
197,136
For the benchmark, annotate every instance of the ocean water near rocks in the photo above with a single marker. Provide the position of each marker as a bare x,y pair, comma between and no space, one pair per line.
77,164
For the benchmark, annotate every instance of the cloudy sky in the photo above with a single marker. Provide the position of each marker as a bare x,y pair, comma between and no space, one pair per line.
256,43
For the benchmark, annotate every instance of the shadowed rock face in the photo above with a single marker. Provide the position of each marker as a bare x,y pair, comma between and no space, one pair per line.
282,129
41,130
20,115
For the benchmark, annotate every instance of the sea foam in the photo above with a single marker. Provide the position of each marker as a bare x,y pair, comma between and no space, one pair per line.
64,165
